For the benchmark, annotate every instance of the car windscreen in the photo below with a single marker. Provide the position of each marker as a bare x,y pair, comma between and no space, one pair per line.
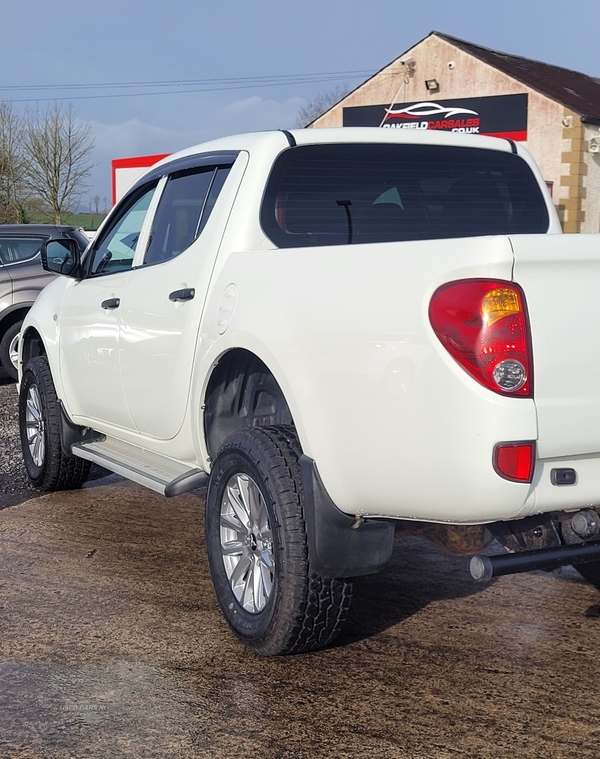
364,193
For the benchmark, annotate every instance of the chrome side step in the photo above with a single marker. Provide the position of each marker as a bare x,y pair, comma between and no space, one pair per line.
156,472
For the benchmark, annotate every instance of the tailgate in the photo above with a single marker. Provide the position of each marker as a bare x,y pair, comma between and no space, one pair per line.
560,275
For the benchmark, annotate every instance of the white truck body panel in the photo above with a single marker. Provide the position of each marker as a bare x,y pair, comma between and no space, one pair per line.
373,385
562,299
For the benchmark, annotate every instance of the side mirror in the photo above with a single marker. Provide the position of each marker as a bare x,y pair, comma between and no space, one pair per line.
61,257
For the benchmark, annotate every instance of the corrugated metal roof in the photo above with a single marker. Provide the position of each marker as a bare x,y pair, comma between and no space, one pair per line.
579,92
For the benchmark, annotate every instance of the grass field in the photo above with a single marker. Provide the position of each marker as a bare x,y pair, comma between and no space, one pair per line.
85,220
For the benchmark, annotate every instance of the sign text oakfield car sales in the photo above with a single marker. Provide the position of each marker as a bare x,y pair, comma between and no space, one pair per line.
499,116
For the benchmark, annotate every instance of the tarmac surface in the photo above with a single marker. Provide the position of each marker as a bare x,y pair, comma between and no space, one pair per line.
112,645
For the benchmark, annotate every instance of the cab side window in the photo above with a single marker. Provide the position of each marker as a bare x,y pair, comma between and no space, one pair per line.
184,208
115,250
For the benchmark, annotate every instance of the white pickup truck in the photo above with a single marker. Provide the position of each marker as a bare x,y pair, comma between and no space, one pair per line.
349,333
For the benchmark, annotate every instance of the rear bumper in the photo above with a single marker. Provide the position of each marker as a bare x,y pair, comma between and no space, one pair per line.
578,492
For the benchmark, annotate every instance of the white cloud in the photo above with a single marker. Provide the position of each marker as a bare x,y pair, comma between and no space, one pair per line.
131,138
136,137
257,113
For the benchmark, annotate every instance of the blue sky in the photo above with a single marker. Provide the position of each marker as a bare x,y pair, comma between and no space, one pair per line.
49,48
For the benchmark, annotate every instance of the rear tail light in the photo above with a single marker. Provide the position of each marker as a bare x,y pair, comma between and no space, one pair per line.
483,324
515,461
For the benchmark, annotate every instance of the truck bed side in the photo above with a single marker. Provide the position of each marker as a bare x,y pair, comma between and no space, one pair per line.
395,426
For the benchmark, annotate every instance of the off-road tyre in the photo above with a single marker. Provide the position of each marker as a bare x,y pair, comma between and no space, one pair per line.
39,414
303,611
6,349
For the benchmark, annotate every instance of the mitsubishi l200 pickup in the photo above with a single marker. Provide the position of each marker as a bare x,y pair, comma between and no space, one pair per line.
347,333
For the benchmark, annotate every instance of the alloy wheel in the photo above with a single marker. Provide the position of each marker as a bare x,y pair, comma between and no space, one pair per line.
35,426
13,351
247,543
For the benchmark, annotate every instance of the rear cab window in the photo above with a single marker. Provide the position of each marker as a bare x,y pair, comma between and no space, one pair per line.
365,193
185,206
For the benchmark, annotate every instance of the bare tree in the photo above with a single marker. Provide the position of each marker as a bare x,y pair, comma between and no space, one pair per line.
319,104
12,163
58,148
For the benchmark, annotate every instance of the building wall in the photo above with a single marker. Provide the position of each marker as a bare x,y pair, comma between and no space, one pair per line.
591,222
555,136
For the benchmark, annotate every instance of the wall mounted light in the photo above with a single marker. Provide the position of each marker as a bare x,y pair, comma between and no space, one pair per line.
432,85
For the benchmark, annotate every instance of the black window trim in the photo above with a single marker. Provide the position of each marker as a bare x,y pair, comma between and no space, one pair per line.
204,202
218,159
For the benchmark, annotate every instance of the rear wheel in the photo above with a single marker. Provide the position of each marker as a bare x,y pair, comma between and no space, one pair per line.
257,548
39,426
9,349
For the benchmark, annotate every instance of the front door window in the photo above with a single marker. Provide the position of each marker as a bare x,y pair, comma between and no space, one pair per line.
115,249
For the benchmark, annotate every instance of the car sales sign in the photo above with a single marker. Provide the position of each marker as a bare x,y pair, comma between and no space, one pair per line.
496,116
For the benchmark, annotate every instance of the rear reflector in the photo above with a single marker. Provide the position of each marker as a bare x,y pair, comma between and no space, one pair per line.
515,461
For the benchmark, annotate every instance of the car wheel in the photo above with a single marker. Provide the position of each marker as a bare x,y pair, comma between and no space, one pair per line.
39,426
9,350
257,547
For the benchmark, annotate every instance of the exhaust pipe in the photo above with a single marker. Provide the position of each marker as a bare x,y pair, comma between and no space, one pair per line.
483,568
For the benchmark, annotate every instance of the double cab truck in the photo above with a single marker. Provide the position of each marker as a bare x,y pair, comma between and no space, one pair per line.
348,334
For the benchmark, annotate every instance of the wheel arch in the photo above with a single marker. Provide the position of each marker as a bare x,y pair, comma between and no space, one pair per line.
32,345
242,392
13,315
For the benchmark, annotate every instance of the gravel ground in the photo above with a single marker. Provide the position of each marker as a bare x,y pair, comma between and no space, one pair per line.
14,483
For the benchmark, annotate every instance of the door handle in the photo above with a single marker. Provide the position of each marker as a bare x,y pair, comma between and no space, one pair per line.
180,295
110,303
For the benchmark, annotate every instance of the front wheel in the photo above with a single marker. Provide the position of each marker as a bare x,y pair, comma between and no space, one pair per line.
39,426
257,548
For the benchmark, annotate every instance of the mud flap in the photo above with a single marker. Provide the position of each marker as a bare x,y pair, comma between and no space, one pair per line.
337,547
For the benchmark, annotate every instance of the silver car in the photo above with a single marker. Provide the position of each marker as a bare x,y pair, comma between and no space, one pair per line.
22,279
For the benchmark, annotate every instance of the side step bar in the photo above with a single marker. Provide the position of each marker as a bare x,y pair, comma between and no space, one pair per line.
158,473
483,568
